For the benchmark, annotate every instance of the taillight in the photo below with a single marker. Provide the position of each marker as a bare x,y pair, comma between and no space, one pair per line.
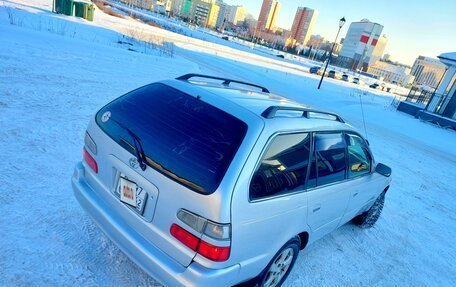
90,143
188,239
202,225
90,160
214,253
217,232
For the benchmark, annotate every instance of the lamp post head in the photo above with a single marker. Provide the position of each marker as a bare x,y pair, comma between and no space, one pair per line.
341,22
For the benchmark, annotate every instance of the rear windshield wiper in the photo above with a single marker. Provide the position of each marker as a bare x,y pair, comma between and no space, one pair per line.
140,155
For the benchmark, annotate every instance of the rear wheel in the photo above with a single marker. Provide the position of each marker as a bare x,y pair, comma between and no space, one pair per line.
280,266
370,217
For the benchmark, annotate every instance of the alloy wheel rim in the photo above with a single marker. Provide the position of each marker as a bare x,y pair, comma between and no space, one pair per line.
279,268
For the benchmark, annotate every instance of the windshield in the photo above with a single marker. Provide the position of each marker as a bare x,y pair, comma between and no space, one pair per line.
185,138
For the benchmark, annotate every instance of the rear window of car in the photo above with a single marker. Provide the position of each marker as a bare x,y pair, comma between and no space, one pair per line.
183,137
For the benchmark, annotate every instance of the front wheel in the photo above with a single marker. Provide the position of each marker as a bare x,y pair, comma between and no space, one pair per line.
280,266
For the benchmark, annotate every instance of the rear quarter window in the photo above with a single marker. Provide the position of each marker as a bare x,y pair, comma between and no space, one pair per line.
183,137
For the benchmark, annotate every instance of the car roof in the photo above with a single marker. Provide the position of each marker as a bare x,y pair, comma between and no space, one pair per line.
257,102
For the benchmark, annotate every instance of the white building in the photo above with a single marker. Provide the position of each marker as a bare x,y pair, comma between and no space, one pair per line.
233,14
359,45
379,49
428,71
392,73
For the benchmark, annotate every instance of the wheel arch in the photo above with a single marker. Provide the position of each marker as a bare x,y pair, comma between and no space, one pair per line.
304,239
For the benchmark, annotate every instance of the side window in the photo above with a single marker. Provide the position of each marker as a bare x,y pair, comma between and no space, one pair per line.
283,167
328,163
359,159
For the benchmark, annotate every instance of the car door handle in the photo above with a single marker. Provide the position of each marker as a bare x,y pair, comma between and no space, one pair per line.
355,194
316,208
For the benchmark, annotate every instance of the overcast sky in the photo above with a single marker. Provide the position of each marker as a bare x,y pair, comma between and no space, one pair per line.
413,27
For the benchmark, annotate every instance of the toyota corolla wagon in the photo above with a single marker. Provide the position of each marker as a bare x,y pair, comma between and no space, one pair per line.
206,181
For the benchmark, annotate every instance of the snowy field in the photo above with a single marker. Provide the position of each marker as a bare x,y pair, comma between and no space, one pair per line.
57,71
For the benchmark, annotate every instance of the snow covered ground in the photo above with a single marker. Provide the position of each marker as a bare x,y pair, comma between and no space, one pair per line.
56,71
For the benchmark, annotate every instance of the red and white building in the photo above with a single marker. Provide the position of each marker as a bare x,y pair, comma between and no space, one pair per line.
363,45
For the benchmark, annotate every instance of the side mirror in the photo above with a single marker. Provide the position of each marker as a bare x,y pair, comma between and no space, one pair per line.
383,169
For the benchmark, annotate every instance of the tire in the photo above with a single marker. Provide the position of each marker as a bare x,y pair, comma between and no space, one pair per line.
369,218
288,253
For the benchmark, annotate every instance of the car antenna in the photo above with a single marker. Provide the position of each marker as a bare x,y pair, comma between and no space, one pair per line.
362,113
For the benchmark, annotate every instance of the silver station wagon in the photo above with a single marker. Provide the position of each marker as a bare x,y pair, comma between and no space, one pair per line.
206,181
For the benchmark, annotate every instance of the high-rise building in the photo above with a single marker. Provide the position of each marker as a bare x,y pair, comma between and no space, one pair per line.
202,12
176,6
233,14
428,71
359,45
212,15
268,16
223,13
379,49
302,26
236,14
186,8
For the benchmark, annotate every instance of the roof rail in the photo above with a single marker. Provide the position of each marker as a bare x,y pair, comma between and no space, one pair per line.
226,82
270,112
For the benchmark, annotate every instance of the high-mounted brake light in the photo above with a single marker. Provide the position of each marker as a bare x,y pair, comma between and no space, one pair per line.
90,160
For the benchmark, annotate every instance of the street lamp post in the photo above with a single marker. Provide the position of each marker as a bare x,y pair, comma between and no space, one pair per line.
341,23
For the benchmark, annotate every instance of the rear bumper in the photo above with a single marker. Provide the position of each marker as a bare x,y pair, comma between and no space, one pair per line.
151,259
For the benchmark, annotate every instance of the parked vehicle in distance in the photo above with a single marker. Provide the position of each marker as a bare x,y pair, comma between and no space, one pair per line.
320,72
314,70
196,202
280,56
374,86
356,81
345,77
332,74
227,38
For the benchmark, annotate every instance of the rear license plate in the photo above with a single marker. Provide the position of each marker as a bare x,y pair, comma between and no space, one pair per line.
132,194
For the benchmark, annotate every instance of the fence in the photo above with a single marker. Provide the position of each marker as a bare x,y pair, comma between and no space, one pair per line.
419,96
